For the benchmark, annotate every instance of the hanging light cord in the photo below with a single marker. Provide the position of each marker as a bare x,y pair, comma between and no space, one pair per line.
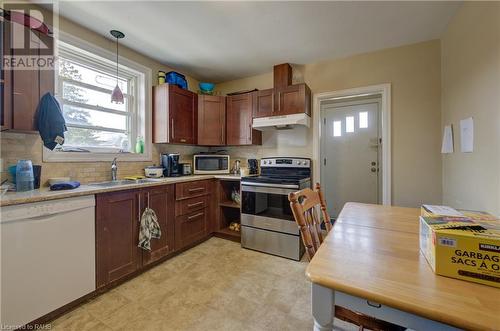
117,61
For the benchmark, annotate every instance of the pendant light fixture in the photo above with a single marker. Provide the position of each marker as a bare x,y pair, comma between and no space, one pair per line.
117,95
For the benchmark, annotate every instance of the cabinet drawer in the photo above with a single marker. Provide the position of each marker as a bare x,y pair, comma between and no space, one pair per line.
189,205
190,228
191,189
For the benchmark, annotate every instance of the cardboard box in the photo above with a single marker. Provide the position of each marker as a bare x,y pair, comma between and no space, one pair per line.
465,247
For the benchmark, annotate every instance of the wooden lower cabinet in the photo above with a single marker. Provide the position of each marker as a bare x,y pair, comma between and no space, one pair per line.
118,217
190,228
117,231
194,208
161,200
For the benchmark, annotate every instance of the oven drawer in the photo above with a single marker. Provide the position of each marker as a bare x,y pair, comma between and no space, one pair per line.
191,189
281,244
192,204
268,223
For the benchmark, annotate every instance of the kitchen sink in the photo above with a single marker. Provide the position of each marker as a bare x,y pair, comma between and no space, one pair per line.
122,182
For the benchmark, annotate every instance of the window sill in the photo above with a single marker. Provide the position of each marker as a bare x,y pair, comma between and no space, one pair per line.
50,156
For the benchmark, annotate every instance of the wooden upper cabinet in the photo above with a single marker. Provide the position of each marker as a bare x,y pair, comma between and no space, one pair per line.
6,83
239,110
117,235
263,103
282,75
160,199
22,89
174,115
211,120
293,99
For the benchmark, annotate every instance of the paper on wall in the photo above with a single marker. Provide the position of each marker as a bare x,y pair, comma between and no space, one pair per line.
467,135
447,146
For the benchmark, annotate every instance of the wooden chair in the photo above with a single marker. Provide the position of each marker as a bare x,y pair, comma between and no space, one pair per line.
309,211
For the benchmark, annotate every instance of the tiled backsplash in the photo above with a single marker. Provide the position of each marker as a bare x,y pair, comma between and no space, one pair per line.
16,146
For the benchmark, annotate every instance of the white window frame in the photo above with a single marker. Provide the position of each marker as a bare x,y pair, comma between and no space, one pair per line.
141,102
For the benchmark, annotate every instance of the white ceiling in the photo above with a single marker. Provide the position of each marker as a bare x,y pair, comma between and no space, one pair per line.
220,41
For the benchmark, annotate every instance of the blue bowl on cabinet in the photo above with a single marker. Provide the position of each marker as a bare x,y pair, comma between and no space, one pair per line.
206,87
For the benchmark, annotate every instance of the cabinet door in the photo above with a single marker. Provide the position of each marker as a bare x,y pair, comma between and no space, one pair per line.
190,228
263,103
161,200
239,121
47,76
25,91
293,99
6,81
211,120
182,115
117,231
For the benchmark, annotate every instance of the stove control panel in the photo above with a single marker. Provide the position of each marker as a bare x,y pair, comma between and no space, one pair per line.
286,162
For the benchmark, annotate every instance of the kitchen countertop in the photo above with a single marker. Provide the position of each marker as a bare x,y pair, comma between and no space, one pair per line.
44,194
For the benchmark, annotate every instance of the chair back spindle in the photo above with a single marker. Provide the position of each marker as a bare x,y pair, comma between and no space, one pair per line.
309,210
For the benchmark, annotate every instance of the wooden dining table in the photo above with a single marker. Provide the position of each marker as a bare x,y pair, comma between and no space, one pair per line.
370,262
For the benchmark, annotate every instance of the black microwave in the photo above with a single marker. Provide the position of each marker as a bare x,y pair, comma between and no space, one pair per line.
210,164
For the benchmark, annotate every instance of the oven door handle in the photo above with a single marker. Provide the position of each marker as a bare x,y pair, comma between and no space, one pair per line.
292,186
266,189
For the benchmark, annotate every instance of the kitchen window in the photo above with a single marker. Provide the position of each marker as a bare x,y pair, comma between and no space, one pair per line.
97,128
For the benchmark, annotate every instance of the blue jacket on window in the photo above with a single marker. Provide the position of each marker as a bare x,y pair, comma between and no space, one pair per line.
50,121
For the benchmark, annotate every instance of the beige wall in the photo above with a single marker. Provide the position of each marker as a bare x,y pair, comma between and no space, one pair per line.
15,146
471,87
414,73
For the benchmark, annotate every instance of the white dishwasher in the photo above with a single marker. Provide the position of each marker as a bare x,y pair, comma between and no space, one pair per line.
48,257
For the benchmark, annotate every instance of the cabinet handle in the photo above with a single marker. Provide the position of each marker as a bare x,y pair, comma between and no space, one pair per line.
172,128
148,199
195,216
279,102
183,140
196,189
250,133
272,103
222,133
195,204
139,210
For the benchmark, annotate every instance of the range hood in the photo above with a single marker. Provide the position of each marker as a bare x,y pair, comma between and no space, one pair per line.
282,122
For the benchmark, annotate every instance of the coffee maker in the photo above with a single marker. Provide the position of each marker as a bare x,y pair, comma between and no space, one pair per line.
170,164
253,167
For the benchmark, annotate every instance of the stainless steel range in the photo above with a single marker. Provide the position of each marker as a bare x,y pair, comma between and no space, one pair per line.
267,222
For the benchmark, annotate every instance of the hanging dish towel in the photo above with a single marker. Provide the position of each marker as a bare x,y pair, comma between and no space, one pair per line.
50,121
149,229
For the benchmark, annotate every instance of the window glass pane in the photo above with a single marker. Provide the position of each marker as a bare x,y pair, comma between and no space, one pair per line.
349,124
363,120
72,70
337,128
82,116
75,93
95,138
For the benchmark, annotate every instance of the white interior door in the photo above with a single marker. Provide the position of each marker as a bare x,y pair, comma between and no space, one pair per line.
350,141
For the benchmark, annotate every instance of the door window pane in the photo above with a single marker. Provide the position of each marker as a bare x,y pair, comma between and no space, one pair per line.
363,120
349,124
337,128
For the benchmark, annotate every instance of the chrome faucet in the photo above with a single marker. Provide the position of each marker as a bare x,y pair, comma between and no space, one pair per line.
114,169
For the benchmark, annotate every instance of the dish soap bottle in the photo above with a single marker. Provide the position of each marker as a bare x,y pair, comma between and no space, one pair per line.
139,145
